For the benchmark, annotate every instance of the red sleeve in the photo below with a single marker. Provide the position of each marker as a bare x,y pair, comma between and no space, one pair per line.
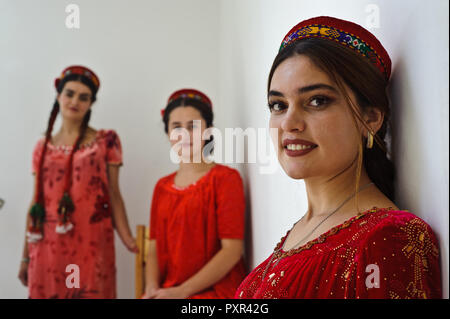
113,148
37,151
154,212
406,257
230,206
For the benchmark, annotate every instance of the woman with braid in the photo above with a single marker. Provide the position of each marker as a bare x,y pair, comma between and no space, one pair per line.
77,201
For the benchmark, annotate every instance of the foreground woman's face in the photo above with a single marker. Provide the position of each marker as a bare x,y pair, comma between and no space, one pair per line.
316,132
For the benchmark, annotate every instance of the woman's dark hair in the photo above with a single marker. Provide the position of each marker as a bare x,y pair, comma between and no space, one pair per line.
205,111
344,65
48,134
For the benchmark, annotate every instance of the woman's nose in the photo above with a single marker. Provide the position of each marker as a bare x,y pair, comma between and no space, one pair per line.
293,120
73,101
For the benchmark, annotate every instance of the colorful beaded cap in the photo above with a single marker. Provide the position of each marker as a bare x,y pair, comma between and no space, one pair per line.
81,70
346,33
188,94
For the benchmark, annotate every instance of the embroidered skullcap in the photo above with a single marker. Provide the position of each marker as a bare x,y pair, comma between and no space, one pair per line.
81,70
188,94
346,33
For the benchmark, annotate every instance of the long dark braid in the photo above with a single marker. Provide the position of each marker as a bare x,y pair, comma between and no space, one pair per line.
37,210
48,136
66,206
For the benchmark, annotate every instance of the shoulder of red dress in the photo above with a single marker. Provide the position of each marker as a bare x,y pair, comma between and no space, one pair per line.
388,216
40,141
165,180
224,170
106,132
397,221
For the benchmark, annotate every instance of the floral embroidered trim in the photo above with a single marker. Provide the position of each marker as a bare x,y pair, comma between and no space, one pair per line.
278,253
81,70
191,94
343,32
68,148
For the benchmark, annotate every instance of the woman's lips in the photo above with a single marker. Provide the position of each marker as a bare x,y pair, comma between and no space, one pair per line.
73,109
297,147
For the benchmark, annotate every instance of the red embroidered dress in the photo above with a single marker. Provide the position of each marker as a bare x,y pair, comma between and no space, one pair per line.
189,223
90,245
338,263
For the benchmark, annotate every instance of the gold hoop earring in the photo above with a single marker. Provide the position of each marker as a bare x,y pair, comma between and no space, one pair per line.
369,139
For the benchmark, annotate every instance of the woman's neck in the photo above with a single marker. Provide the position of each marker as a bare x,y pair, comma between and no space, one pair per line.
69,132
194,167
70,128
325,194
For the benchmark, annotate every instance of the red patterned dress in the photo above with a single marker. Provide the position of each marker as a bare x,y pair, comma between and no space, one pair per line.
189,223
90,245
380,253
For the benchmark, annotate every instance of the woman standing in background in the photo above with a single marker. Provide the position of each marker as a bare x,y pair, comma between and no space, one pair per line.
77,202
197,213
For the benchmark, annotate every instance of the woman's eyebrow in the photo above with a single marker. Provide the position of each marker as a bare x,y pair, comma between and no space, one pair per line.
306,89
317,86
275,93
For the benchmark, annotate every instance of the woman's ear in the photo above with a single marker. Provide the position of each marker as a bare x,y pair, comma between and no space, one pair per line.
374,118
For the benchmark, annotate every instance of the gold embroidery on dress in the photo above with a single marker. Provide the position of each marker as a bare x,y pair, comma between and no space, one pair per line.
419,247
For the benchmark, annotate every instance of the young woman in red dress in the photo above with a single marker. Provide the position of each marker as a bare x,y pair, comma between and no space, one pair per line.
69,251
197,213
327,98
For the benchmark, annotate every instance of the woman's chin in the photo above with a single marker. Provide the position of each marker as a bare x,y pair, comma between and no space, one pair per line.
294,171
187,158
295,175
72,116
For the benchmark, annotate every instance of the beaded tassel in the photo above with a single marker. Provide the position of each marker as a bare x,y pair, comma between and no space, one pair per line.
35,230
65,210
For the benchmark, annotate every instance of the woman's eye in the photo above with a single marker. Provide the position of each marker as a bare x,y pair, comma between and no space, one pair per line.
276,107
319,101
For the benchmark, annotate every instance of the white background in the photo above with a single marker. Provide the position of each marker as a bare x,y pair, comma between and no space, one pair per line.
144,50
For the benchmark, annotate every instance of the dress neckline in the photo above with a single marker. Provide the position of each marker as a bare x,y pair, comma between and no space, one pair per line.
174,187
70,147
280,253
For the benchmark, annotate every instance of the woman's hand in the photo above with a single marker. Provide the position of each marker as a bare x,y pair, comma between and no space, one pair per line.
119,216
23,273
130,243
171,293
150,293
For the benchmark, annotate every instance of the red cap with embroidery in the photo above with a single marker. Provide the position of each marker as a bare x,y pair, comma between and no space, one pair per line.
188,94
81,70
347,33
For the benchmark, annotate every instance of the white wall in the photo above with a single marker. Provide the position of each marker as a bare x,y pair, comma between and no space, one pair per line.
415,33
143,50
